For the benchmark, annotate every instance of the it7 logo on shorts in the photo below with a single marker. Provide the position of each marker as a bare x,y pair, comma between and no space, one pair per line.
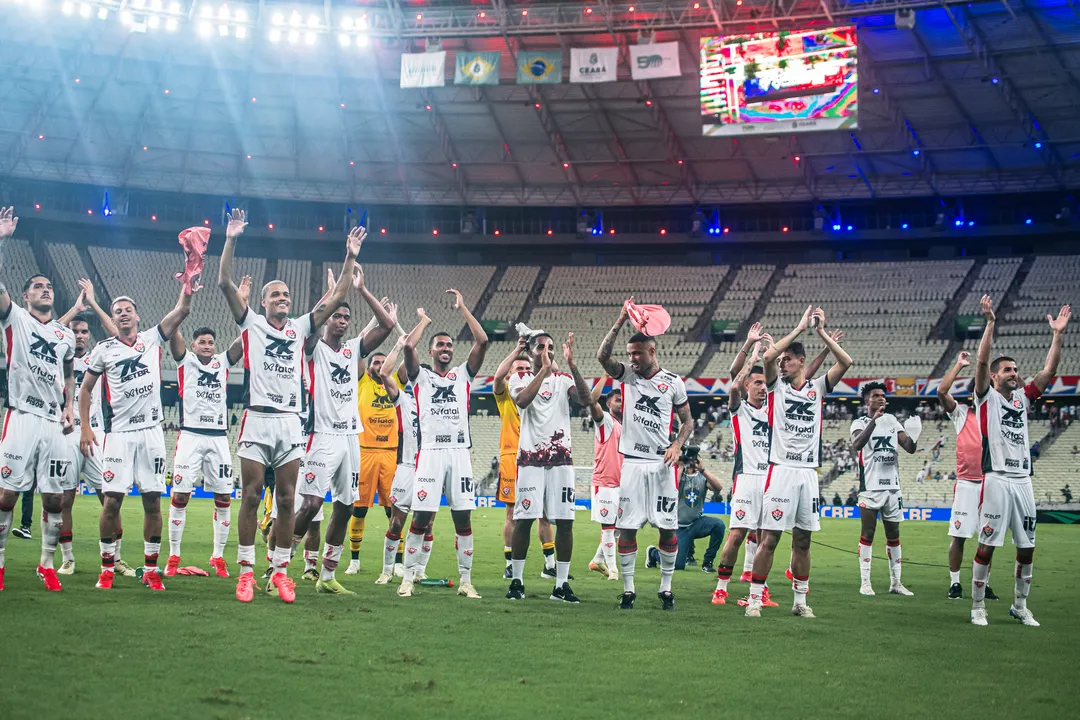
280,349
799,410
665,504
43,349
1029,524
466,485
224,471
159,465
568,494
356,482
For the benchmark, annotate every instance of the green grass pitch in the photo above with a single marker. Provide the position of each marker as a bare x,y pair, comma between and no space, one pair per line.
194,652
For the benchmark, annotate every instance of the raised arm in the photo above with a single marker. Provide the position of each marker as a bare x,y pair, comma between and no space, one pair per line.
480,338
904,440
8,223
388,369
584,394
1043,378
771,354
237,305
739,361
177,346
598,388
711,480
819,360
412,359
171,322
104,318
982,362
861,437
843,360
613,368
498,385
528,393
324,310
384,315
80,306
740,368
944,390
236,351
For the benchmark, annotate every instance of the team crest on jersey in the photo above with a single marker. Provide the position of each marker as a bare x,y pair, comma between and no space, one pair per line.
603,512
177,478
546,394
108,475
663,387
987,530
139,347
506,490
526,503
740,514
421,495
620,511
956,524
451,376
1017,403
347,352
777,514
393,499
5,472
215,365
310,477
290,333
812,394
59,334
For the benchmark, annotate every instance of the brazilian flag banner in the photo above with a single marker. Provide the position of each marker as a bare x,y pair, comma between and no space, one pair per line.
477,68
539,67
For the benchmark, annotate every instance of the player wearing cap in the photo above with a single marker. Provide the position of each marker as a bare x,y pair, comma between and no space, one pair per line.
875,438
40,386
443,464
791,483
967,490
133,447
607,470
648,486
332,458
271,432
750,427
1008,502
202,445
545,478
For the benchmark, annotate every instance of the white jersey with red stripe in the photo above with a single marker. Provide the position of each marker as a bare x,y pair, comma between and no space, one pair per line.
36,353
79,367
795,422
408,428
750,425
273,362
331,382
649,405
131,380
442,405
879,467
202,393
1003,424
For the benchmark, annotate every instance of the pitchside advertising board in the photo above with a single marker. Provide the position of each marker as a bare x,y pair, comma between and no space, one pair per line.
827,511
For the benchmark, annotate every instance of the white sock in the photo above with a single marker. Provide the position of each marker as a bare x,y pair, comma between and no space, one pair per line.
425,553
748,556
607,542
66,552
177,521
667,569
549,560
281,560
954,577
222,520
330,559
311,559
866,554
599,556
5,530
116,555
626,567
979,575
518,568
1023,585
895,561
464,546
562,573
50,536
245,558
413,541
757,591
151,551
108,556
390,544
802,586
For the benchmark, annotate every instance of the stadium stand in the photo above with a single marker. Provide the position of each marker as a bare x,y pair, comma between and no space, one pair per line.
1058,465
19,265
994,279
69,267
738,302
297,275
509,298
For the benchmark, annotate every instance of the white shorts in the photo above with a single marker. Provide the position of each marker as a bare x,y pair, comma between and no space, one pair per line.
545,492
747,496
271,439
133,457
964,520
33,446
889,502
605,504
790,499
401,491
208,455
648,493
1007,505
331,462
87,468
439,471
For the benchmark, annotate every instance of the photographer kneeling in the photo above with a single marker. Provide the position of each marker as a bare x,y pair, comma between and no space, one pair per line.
694,481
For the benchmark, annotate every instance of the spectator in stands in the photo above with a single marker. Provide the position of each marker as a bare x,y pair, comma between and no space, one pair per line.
937,475
837,500
494,466
234,420
1067,493
852,498
1075,450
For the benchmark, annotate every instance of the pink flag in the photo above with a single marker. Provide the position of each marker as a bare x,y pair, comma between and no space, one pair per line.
194,241
652,320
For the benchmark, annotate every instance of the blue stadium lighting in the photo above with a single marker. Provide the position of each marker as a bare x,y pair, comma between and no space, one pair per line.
850,228
1038,146
959,223
836,227
994,80
877,90
971,223
1028,221
904,226
915,153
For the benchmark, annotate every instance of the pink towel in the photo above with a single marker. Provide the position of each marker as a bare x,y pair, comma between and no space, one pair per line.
194,241
652,320
192,570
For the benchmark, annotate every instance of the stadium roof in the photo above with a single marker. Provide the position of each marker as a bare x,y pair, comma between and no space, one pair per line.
977,98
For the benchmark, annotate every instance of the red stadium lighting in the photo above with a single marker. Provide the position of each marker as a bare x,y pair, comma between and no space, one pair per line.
680,162
321,228
89,212
481,14
419,16
351,163
145,148
566,165
551,232
205,222
631,8
37,206
270,226
40,137
663,231
453,165
248,157
342,106
524,13
785,229
612,231
648,103
798,158
252,99
428,108
727,230
383,231
537,106
166,92
697,6
588,11
77,80
153,218
434,231
496,232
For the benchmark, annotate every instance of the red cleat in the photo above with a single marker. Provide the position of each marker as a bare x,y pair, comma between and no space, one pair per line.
172,566
745,577
48,576
152,580
245,587
104,581
767,601
788,575
1,578
719,597
286,588
219,566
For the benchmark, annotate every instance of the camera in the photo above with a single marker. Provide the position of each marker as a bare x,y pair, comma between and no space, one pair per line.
690,455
